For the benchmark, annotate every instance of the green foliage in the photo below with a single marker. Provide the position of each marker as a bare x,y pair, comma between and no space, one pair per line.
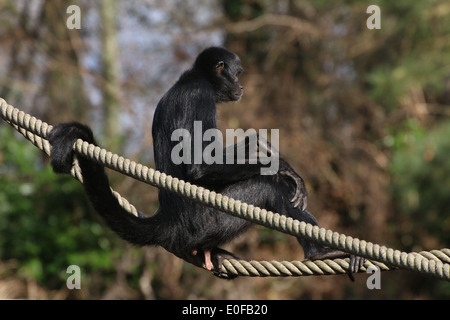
421,180
45,221
413,50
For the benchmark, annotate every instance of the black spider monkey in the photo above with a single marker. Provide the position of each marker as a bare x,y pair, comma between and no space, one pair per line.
188,229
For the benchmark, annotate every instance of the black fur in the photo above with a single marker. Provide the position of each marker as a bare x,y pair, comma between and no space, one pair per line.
186,228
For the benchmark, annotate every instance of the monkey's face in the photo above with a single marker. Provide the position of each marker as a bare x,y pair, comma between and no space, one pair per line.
228,87
237,91
222,68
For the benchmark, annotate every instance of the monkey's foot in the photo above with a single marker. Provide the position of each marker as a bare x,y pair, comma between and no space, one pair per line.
356,262
213,261
208,263
207,254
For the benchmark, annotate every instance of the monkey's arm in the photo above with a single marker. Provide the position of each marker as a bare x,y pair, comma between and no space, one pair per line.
243,160
238,163
246,163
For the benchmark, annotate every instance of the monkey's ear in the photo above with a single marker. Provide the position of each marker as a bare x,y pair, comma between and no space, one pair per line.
219,67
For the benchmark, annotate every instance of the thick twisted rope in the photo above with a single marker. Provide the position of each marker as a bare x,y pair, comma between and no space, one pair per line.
435,263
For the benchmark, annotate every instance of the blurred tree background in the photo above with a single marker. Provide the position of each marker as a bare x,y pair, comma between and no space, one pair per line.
363,116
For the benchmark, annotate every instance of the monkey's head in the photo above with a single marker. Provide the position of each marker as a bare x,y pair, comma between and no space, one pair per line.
222,68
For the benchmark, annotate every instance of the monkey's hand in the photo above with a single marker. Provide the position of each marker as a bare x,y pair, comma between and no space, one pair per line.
300,197
62,138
